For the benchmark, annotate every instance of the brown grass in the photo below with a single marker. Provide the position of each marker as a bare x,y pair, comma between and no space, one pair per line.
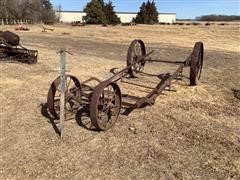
193,133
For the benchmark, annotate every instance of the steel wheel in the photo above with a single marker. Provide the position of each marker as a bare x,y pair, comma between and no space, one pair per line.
136,50
196,63
72,96
105,105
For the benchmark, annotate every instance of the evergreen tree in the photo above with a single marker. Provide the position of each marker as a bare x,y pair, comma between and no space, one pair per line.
111,16
102,4
154,13
141,14
97,12
148,13
94,12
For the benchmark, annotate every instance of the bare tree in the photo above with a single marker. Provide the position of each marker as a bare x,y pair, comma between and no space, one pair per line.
37,10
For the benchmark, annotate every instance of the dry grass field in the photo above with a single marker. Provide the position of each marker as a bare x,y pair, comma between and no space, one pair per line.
190,133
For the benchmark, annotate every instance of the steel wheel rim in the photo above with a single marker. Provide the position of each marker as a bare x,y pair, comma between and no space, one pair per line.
196,63
105,106
72,96
136,50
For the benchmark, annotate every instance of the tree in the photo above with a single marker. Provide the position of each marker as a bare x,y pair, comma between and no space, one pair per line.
148,13
97,12
141,14
94,12
47,11
17,9
58,9
102,3
37,10
153,13
111,16
214,17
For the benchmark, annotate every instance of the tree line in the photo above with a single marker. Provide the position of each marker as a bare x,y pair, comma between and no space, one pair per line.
36,10
214,17
98,12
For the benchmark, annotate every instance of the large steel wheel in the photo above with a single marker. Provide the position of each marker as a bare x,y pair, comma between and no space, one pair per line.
72,96
196,63
135,51
105,105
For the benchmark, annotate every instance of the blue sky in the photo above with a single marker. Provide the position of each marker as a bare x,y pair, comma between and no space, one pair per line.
183,8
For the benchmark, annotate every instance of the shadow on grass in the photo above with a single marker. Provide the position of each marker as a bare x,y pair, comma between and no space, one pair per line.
236,93
82,118
53,121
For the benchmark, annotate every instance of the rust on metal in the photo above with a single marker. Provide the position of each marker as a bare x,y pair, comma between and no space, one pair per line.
10,48
72,96
104,101
136,50
105,105
77,23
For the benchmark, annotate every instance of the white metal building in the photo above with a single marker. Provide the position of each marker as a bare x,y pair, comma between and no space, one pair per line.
126,17
167,17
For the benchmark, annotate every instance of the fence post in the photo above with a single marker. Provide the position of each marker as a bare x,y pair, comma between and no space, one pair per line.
62,85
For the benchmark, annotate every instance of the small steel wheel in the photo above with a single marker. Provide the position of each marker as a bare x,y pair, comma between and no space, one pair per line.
72,96
105,105
196,63
136,50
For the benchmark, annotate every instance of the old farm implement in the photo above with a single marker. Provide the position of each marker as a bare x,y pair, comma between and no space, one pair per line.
11,49
104,101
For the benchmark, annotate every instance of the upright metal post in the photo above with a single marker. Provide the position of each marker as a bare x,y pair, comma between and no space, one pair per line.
62,97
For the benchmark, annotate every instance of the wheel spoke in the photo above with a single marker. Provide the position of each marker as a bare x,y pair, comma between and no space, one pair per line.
135,51
71,97
69,82
114,97
103,99
108,107
108,96
102,116
138,49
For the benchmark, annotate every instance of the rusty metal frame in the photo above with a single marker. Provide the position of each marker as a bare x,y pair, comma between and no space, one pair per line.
12,50
100,98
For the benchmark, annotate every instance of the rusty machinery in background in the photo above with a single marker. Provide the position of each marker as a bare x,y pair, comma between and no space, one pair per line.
104,101
11,49
78,23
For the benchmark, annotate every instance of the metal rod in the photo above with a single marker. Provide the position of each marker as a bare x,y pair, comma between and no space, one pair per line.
128,104
150,98
62,85
161,87
164,61
119,75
